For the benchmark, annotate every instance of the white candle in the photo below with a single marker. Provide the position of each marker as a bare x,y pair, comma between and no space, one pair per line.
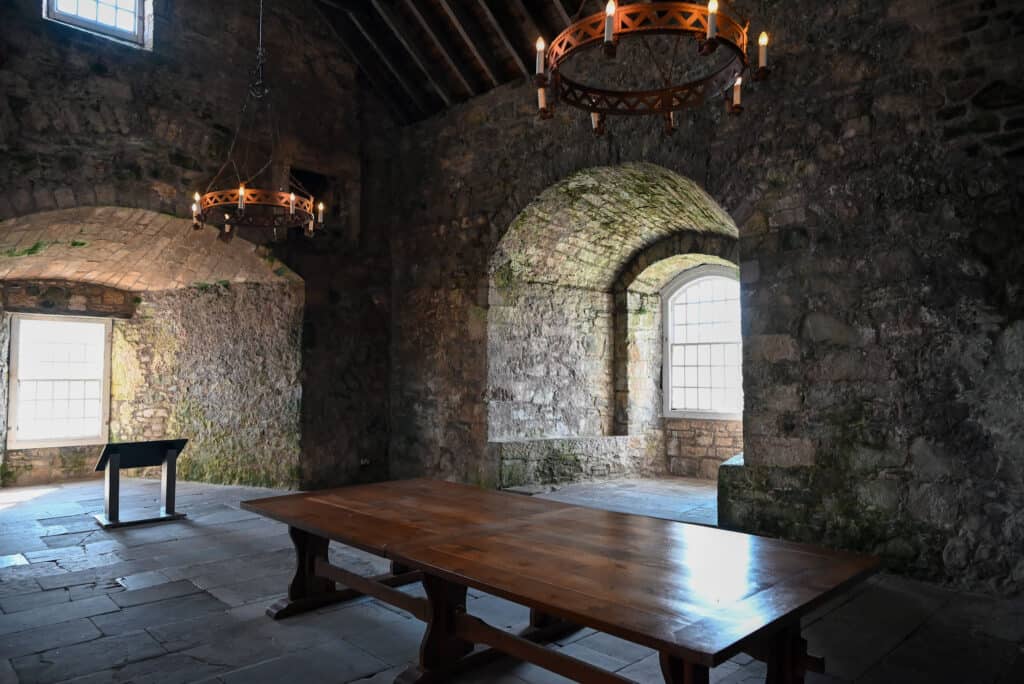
595,120
540,56
542,99
195,211
291,204
241,196
712,19
762,50
320,213
736,92
609,22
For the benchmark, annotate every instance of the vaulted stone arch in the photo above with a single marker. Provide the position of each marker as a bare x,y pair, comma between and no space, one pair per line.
554,280
206,339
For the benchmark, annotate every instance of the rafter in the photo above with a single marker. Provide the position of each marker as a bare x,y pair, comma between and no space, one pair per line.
393,22
360,24
562,14
496,24
462,27
371,74
533,28
439,45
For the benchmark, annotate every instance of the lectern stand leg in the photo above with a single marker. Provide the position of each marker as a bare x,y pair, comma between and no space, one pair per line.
112,490
168,480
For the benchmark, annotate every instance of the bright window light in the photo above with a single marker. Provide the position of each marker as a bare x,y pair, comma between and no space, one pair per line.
703,348
59,381
120,19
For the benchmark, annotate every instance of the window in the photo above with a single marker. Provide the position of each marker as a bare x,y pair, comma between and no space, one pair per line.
60,381
703,375
123,20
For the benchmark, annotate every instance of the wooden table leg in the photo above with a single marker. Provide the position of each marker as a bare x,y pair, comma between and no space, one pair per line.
787,657
306,591
678,671
441,650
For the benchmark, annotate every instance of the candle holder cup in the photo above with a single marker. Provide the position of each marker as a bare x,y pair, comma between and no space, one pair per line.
761,73
611,49
706,46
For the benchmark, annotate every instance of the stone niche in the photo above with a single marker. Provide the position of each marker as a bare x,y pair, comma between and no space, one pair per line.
205,339
574,344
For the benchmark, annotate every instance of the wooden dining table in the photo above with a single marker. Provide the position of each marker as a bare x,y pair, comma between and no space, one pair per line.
698,595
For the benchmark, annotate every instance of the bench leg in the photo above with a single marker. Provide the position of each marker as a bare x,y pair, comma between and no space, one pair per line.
441,650
678,671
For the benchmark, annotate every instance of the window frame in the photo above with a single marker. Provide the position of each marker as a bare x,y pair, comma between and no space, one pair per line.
667,321
141,38
13,442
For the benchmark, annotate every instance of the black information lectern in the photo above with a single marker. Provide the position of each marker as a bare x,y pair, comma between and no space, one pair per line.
162,453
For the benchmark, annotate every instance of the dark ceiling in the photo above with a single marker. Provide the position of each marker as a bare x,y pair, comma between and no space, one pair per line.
421,56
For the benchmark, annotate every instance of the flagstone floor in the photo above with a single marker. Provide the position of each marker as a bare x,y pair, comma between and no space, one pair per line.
184,602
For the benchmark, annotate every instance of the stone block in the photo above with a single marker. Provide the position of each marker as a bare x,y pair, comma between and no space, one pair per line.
771,349
823,328
929,461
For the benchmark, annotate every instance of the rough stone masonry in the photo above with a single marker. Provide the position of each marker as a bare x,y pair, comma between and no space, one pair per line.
876,182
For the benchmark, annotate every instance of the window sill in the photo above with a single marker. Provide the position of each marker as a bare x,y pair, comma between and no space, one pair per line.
701,415
14,445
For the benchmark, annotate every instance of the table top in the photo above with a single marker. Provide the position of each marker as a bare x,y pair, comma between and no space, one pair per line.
699,592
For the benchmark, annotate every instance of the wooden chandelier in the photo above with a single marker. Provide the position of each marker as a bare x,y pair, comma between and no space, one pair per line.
711,29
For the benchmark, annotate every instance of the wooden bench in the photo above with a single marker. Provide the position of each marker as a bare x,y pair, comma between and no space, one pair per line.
698,595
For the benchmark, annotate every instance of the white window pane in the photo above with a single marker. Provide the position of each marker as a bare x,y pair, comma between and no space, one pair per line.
703,399
718,400
704,376
87,9
691,355
678,399
691,398
717,355
704,355
126,20
127,4
678,355
60,366
106,15
732,354
67,6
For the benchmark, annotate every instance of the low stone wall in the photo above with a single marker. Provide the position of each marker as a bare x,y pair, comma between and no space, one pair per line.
558,461
696,448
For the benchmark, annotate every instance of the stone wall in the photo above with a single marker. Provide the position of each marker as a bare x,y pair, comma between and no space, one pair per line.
206,339
85,121
549,363
875,178
696,448
218,365
559,461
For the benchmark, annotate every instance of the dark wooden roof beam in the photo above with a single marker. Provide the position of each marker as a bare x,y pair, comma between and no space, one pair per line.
372,74
562,14
398,28
496,24
360,23
475,44
440,46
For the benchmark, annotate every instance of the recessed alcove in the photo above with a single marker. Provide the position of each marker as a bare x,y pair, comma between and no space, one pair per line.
203,343
574,349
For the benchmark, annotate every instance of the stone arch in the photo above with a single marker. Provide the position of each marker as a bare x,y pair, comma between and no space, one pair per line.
135,250
206,338
551,319
637,342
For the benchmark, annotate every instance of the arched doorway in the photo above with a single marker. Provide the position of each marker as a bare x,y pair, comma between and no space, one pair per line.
558,329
